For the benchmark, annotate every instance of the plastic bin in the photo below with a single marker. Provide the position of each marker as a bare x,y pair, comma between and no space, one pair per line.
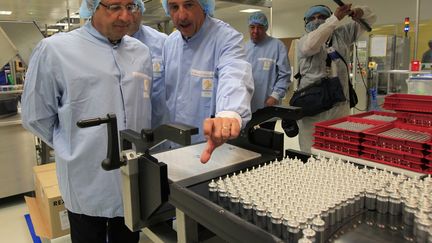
335,146
417,153
408,102
327,129
418,119
394,159
398,144
421,84
377,116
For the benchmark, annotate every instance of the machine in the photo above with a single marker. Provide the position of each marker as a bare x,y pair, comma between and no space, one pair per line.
154,192
153,188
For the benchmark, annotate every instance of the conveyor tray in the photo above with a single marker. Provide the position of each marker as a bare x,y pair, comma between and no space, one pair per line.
195,202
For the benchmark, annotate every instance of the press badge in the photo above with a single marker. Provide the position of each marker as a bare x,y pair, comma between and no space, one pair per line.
207,87
331,52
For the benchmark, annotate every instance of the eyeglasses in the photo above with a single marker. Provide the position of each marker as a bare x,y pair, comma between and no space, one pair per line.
319,16
116,8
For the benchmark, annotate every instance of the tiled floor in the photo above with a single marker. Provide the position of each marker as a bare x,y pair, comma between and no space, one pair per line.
13,227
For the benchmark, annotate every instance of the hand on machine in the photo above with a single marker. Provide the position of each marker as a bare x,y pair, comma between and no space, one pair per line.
217,131
355,14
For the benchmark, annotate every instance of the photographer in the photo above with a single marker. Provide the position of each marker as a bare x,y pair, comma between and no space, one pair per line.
323,38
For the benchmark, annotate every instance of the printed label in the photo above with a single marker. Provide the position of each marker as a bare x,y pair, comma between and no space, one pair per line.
64,220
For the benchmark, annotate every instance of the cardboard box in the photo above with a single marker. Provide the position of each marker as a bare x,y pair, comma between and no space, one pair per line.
40,169
47,210
44,167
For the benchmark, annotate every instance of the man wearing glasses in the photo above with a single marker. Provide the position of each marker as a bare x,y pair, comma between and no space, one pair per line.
322,52
86,73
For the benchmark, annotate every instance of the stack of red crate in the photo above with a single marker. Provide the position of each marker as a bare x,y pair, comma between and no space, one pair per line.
422,120
405,142
429,158
414,110
404,151
343,135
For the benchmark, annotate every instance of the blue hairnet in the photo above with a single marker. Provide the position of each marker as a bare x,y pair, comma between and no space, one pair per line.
258,18
88,7
318,9
207,5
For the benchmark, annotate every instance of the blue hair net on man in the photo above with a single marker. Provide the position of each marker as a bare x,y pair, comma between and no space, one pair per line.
207,5
258,18
318,9
88,7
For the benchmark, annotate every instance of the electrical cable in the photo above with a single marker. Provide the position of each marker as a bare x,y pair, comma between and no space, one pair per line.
362,77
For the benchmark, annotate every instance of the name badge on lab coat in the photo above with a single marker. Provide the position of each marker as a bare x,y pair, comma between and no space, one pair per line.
157,67
207,87
146,88
267,63
146,81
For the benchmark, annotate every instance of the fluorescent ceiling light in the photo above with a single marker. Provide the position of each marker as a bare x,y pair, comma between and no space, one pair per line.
250,10
52,30
5,12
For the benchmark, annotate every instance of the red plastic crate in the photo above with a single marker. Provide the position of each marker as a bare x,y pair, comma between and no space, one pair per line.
324,128
394,156
348,139
378,140
408,102
337,147
421,153
354,144
429,159
368,115
428,169
418,119
396,161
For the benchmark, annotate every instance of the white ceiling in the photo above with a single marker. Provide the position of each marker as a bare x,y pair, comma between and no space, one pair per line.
42,11
48,12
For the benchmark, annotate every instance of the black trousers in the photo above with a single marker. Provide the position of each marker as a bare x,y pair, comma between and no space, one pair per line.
268,125
88,229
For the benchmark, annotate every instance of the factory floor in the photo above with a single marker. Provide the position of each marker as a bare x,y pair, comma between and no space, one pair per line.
13,227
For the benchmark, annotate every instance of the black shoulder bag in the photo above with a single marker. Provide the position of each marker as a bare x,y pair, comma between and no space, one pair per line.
322,95
319,96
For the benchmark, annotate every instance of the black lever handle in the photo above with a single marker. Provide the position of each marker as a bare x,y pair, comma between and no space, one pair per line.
92,122
277,111
361,21
112,161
